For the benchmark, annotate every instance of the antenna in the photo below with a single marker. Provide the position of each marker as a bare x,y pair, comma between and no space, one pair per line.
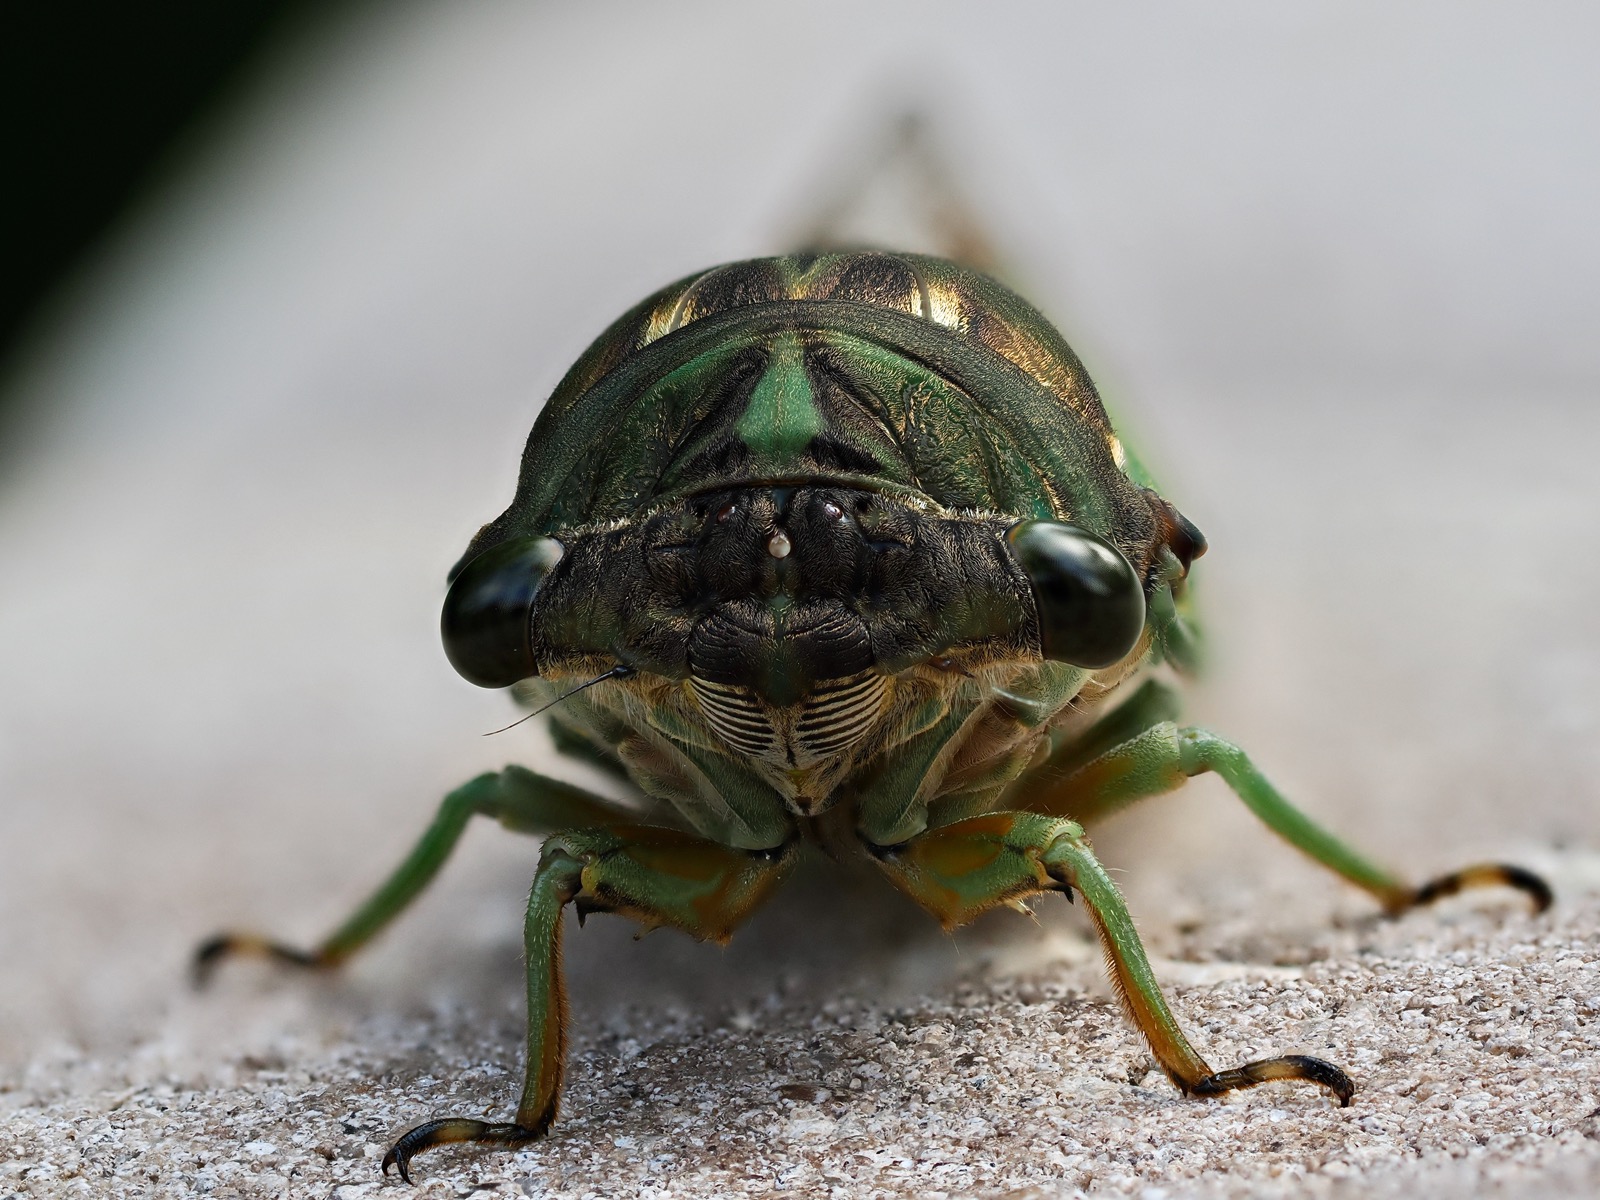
617,672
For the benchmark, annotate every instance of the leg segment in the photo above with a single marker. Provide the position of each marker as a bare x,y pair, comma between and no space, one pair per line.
658,877
1152,704
1164,756
957,871
519,799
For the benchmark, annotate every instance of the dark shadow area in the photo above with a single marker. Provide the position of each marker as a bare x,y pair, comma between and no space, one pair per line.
96,95
831,932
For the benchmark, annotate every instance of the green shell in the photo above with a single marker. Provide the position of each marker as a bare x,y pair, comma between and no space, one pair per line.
899,374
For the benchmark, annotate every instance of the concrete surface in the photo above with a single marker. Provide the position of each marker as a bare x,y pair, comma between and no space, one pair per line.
1336,266
1473,1036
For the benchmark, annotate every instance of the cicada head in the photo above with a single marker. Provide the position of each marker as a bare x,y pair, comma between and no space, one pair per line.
785,482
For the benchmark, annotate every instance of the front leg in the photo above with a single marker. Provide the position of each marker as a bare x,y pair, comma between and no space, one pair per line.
960,870
657,876
519,799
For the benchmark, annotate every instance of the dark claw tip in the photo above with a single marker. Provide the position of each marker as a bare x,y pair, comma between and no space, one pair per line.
1488,875
1526,881
1317,1070
225,945
206,955
1268,1070
450,1131
396,1159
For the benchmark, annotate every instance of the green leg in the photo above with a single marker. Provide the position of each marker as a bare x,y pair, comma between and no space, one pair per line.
657,876
519,799
1153,703
1164,756
958,871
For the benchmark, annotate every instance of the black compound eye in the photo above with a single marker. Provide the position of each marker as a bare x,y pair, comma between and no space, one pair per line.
487,624
1088,596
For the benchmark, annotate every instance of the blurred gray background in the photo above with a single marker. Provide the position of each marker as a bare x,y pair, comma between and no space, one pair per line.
1335,265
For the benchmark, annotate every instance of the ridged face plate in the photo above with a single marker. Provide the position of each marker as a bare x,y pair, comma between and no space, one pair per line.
738,719
836,716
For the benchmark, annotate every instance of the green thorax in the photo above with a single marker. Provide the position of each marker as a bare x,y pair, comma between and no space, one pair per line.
897,373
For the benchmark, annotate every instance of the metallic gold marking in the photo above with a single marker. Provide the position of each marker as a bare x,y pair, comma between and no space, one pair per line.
944,307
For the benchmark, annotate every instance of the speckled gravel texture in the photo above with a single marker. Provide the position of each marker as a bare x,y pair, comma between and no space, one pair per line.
1335,263
1473,1035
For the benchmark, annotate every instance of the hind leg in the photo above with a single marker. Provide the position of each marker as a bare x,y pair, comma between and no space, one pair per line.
1163,756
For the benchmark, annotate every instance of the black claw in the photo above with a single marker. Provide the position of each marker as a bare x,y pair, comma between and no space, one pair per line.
1526,881
1318,1070
394,1157
1488,875
1290,1066
214,949
205,959
449,1131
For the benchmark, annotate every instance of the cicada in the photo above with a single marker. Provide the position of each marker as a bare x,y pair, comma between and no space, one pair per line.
848,554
